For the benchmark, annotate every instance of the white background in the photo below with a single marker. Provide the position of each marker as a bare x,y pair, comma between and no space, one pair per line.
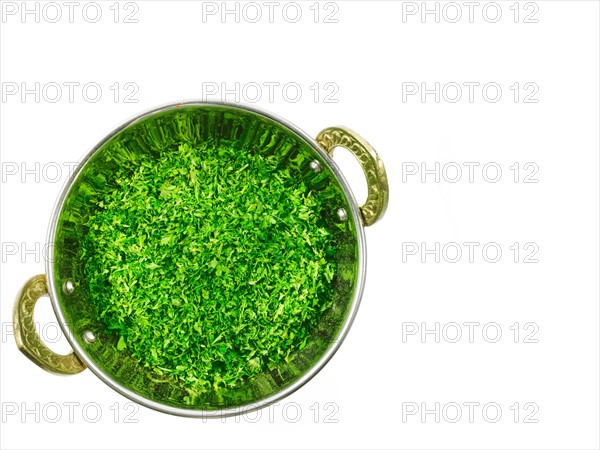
375,52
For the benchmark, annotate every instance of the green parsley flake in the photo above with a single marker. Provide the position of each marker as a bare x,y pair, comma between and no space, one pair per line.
210,264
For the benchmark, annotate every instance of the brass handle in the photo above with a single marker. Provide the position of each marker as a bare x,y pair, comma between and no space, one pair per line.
378,189
29,342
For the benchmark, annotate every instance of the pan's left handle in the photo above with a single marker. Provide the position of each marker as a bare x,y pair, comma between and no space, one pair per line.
28,340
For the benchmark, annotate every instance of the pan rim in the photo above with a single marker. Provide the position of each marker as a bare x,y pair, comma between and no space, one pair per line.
227,412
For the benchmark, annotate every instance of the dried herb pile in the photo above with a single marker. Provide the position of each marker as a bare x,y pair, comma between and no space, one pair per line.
211,264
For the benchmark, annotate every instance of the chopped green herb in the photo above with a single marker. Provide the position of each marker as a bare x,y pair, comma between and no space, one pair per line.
121,345
210,264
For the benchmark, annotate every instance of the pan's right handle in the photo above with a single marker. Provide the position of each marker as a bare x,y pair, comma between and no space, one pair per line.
372,165
28,340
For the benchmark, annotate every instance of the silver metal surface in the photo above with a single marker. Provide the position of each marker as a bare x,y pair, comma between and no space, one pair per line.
68,287
361,271
89,337
342,214
315,165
